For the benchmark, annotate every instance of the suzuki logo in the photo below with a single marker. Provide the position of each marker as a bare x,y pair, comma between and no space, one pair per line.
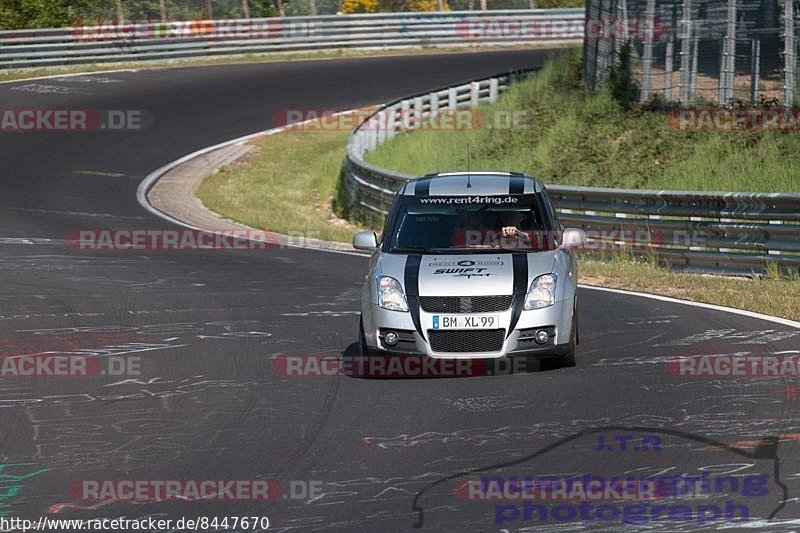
465,304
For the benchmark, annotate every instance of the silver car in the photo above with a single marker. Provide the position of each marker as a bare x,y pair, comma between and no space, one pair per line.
471,265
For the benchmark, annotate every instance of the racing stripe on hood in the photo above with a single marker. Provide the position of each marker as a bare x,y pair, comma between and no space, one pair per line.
411,284
520,263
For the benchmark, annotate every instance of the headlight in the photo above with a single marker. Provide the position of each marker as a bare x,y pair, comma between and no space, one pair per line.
542,292
390,294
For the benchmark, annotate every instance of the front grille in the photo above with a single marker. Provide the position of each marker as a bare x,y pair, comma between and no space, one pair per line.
466,341
465,304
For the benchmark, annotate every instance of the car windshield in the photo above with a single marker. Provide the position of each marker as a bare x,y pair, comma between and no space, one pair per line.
471,225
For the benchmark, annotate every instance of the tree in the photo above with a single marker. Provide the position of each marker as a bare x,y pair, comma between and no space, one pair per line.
360,6
425,5
621,83
374,6
262,8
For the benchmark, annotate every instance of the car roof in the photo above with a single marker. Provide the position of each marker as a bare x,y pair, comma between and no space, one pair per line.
478,183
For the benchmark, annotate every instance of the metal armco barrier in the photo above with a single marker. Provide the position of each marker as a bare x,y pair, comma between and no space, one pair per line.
717,232
99,41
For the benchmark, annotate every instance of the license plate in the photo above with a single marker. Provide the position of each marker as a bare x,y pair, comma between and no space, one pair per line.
465,322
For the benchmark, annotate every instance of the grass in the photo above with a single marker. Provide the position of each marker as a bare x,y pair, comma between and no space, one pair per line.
571,137
547,4
772,294
290,183
287,186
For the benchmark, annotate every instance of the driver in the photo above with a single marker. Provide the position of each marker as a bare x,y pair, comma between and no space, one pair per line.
512,220
472,227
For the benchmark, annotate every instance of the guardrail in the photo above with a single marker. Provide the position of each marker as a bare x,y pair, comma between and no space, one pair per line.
99,42
718,232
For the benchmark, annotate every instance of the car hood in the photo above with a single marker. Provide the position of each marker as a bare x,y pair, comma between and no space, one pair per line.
464,274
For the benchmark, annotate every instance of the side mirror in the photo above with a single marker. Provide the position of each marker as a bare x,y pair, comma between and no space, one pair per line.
365,240
573,238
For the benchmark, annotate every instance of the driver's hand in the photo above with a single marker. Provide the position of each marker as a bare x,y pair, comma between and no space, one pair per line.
509,231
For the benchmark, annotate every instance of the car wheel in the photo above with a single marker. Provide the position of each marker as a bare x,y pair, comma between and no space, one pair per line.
362,341
568,359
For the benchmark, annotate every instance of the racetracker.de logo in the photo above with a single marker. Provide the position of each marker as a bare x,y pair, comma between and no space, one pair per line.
172,489
63,120
331,120
391,366
173,239
390,120
511,238
735,366
553,488
109,29
731,120
526,28
67,365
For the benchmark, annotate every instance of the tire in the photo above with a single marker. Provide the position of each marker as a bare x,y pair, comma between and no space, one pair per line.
362,341
568,359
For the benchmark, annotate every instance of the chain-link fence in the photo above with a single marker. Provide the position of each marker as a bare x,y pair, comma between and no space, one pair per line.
724,52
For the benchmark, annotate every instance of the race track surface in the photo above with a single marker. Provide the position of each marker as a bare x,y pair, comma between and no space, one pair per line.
378,454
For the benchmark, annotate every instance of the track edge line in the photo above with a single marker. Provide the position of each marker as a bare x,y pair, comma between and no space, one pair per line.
714,307
151,179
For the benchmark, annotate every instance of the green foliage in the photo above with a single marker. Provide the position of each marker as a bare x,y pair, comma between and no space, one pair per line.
262,9
22,14
386,6
248,190
621,83
360,6
573,137
548,4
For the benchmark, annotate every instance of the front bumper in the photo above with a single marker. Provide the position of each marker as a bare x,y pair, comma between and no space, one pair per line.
557,319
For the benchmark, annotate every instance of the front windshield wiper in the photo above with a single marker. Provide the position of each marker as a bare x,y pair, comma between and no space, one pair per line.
412,250
457,250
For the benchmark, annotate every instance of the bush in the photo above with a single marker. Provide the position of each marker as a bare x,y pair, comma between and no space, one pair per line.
360,6
624,89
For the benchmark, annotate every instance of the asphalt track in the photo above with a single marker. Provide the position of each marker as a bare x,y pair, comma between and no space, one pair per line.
209,404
